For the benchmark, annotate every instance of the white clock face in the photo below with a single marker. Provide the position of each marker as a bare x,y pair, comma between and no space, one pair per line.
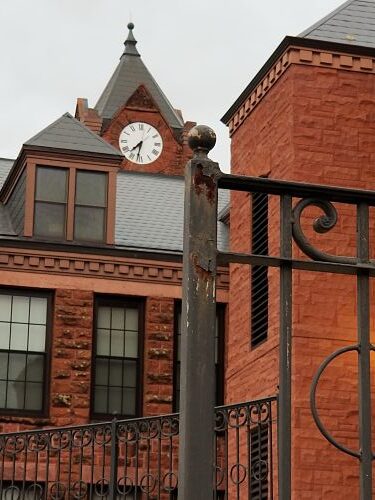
140,143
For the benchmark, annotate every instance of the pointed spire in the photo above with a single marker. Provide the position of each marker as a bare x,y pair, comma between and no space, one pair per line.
130,43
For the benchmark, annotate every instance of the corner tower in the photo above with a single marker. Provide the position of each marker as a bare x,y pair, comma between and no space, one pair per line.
134,115
309,116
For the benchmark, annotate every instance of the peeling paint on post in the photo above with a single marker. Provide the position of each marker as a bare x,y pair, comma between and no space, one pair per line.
197,396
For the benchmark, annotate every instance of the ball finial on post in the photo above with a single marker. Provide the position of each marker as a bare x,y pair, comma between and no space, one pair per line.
201,139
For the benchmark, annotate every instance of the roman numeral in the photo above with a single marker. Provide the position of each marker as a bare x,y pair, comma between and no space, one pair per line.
124,140
140,159
140,126
149,157
157,144
125,149
154,136
148,130
155,152
131,156
132,128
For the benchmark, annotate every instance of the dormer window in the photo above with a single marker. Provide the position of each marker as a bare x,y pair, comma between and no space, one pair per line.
70,204
90,206
51,196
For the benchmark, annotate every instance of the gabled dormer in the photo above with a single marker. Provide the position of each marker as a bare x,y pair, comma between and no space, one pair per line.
62,185
132,98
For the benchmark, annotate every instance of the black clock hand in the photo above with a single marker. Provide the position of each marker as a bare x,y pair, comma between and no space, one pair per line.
139,145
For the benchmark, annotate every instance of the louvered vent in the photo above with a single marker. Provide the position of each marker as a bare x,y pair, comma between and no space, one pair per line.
259,463
259,274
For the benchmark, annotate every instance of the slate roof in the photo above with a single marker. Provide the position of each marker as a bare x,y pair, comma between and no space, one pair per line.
150,212
130,73
70,134
351,23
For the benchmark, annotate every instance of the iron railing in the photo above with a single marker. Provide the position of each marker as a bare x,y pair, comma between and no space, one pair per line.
137,459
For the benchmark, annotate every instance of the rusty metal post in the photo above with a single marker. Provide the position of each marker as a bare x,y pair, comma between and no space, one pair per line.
197,396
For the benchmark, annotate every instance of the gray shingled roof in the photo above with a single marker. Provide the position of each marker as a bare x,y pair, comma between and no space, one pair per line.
6,228
351,23
130,73
70,134
150,212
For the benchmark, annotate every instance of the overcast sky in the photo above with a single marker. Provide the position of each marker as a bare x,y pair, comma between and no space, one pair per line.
202,53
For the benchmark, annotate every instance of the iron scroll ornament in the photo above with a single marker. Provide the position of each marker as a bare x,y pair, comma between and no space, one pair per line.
321,225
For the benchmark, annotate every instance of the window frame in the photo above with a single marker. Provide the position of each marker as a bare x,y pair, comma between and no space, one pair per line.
44,411
221,317
115,301
72,169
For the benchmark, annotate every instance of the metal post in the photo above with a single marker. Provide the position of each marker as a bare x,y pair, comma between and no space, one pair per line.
363,315
114,461
285,352
197,396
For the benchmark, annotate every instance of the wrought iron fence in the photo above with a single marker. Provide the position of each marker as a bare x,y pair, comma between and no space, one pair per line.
137,459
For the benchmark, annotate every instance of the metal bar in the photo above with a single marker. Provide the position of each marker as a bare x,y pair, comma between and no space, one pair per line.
114,461
301,265
363,321
296,189
197,395
285,352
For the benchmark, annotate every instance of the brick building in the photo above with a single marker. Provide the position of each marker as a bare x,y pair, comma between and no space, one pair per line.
91,242
307,116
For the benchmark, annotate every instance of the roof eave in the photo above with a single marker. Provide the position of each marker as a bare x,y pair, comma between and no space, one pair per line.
91,154
287,42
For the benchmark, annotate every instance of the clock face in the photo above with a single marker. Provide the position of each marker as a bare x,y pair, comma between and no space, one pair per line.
140,143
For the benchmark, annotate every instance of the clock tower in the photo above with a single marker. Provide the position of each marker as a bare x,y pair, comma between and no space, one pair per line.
134,115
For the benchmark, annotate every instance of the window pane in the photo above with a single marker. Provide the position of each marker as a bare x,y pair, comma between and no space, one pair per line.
34,371
131,319
104,317
91,188
131,344
101,374
101,399
20,309
38,310
5,305
34,396
4,335
49,220
128,404
3,388
118,318
117,343
37,337
51,184
115,373
3,365
15,396
18,337
89,223
17,363
102,342
114,404
130,374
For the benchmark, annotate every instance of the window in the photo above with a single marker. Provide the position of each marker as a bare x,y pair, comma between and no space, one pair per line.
79,215
117,358
23,351
50,202
259,274
90,206
219,355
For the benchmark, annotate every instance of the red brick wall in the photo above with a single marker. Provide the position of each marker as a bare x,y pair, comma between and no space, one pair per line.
316,125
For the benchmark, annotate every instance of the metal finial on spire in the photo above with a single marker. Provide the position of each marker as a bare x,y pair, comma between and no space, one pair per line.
130,43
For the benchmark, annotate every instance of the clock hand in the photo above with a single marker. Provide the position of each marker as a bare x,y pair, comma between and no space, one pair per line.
139,145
